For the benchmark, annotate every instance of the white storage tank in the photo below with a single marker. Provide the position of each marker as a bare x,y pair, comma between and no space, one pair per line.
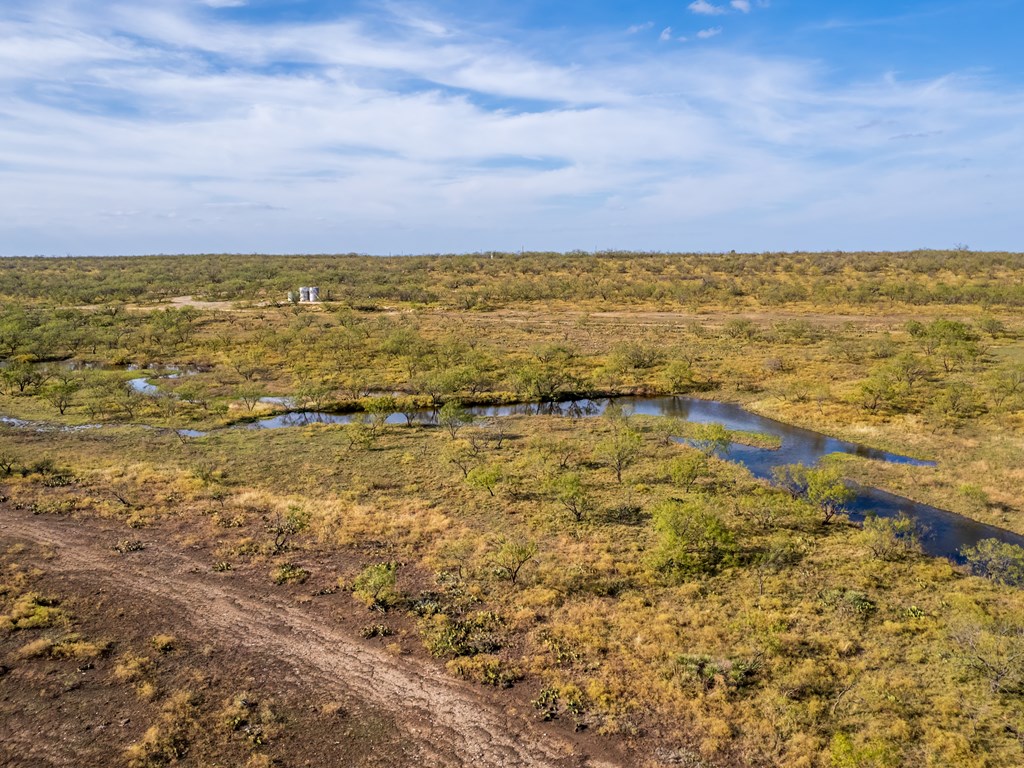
314,293
304,293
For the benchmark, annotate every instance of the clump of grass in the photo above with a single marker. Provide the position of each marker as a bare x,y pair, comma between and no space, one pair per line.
76,648
72,647
133,667
168,740
251,718
32,611
486,669
36,649
164,643
286,573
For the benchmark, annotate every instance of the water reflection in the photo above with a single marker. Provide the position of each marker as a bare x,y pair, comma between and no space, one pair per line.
944,533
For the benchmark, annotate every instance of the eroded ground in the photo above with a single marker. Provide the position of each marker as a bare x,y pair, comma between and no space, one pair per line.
249,675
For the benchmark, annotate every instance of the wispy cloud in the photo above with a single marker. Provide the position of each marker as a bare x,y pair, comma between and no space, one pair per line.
704,8
743,6
666,34
710,32
128,128
640,27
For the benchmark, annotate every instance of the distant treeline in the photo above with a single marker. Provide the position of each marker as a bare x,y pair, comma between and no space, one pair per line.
486,280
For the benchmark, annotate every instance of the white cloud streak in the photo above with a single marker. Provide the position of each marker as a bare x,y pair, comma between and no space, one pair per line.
140,129
704,8
640,28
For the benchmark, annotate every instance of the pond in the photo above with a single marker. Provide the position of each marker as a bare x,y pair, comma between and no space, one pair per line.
943,533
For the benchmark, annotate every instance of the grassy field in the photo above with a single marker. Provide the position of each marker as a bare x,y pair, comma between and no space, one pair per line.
621,583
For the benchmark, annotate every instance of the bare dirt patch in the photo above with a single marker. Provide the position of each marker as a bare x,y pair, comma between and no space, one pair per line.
266,637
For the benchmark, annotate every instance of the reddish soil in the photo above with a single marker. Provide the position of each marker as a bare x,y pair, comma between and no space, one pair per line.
239,632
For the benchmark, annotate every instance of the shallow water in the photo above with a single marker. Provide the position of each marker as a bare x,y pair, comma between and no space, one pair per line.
943,533
143,386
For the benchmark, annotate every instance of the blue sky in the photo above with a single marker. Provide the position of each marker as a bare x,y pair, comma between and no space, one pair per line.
415,127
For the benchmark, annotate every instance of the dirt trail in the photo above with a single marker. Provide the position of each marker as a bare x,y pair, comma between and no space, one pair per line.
452,724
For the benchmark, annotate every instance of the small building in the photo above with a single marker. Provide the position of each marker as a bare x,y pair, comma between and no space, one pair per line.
307,294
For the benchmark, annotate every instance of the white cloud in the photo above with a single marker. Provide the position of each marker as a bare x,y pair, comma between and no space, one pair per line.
704,8
639,27
666,34
225,3
743,6
290,137
704,34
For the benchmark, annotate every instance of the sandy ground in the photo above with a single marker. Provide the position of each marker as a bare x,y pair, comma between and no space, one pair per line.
444,722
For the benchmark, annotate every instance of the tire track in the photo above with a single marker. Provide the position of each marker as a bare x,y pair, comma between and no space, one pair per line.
451,723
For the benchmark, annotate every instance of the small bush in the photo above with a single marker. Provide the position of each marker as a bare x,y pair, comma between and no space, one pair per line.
891,539
375,586
33,611
692,539
996,560
709,673
289,572
445,635
554,701
59,480
485,669
376,630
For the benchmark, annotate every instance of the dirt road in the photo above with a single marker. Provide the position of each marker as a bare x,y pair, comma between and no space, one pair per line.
448,723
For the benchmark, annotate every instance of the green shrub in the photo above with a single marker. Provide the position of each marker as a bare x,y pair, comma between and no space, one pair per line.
486,669
289,572
692,540
375,586
709,673
996,560
891,538
445,635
